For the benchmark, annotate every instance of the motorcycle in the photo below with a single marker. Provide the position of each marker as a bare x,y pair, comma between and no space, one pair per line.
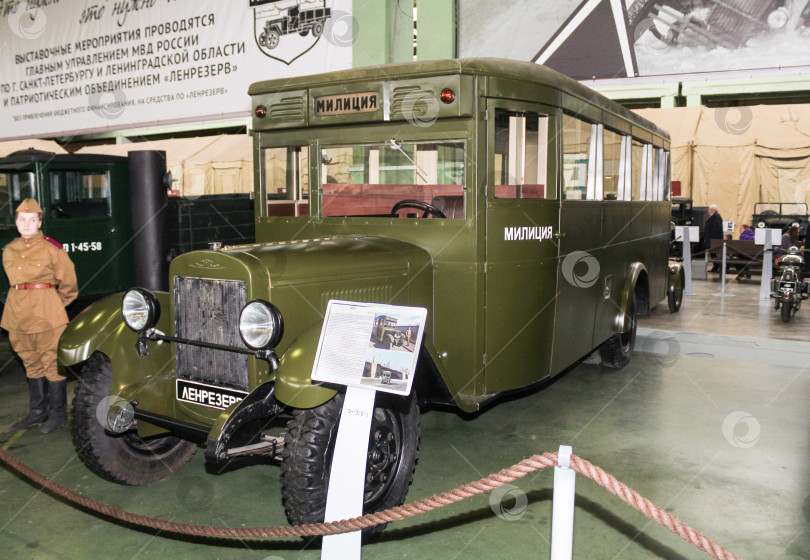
788,287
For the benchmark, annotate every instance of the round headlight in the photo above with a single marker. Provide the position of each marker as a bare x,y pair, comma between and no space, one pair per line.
260,325
141,310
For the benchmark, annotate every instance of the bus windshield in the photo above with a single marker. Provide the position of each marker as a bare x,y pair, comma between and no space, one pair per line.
371,179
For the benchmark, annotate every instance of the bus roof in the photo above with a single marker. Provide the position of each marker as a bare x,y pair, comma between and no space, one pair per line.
495,67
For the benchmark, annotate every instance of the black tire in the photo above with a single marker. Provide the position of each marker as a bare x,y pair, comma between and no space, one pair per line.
675,297
304,32
317,28
787,311
124,458
615,352
307,458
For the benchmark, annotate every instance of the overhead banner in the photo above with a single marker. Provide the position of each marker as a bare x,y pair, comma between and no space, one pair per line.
72,67
588,39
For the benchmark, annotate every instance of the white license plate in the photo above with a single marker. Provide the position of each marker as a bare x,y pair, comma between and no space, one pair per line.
207,395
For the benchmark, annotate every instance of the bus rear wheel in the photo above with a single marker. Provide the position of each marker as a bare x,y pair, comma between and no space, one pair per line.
307,458
615,352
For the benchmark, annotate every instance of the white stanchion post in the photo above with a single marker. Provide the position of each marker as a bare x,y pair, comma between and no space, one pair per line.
767,270
562,510
687,262
344,500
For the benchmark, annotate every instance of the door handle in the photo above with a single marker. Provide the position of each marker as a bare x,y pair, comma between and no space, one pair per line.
559,235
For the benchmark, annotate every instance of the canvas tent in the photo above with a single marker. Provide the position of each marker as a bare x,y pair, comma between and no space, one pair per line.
202,165
737,156
12,146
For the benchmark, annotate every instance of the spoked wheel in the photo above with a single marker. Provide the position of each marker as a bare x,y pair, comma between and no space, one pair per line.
615,352
307,458
122,458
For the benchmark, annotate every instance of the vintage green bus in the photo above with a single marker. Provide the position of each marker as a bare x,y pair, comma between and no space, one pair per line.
528,214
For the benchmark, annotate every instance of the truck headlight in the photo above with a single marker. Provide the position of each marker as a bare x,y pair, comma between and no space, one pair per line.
141,309
261,325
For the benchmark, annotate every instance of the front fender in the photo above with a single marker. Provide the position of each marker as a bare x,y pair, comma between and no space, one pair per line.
99,325
675,276
294,385
101,328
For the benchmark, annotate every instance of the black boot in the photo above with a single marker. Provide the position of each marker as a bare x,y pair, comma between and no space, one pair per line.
57,406
38,409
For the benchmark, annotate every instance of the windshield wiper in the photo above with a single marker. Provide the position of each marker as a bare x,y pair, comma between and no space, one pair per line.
419,170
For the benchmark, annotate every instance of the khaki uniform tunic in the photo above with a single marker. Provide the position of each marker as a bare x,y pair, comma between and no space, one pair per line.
36,318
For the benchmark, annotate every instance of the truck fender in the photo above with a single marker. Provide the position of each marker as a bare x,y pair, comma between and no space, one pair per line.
636,274
294,385
91,329
101,328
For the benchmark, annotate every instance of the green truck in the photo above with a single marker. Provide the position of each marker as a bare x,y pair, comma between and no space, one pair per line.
528,214
91,202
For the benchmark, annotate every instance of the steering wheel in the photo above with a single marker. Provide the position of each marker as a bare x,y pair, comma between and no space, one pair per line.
421,204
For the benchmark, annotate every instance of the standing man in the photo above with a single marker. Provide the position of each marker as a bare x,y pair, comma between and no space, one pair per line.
43,282
713,230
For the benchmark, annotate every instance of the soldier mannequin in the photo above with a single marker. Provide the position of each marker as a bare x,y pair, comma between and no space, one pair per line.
43,282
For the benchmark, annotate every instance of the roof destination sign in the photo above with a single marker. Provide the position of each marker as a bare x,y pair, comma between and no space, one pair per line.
346,103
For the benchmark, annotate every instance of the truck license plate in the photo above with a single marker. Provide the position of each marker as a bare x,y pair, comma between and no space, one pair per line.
207,395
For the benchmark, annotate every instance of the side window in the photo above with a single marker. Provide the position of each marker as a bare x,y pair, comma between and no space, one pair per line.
637,169
79,194
521,155
578,177
661,175
286,179
15,186
612,165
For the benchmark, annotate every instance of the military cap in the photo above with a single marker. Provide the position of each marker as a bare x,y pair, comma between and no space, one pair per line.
29,205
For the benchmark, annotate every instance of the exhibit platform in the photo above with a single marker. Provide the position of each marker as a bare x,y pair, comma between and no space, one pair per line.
710,421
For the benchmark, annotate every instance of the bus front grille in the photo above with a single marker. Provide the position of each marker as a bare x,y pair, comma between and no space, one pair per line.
208,311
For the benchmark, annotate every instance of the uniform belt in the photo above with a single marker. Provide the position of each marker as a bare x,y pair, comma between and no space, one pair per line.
33,286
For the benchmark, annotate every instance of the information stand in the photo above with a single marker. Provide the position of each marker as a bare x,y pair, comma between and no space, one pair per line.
368,348
768,237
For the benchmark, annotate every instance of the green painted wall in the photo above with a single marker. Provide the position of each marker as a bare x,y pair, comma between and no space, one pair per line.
384,31
436,29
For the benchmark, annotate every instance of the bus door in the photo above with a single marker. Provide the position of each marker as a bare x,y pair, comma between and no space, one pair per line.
522,213
580,282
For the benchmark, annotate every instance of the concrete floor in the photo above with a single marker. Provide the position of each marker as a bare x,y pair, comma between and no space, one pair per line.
710,420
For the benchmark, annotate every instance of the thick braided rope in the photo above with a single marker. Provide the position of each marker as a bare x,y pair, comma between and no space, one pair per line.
314,529
481,486
651,510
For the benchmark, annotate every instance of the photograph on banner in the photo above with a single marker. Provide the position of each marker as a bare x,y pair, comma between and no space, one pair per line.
370,345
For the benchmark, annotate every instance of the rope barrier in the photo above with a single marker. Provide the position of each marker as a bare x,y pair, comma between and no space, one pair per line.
521,469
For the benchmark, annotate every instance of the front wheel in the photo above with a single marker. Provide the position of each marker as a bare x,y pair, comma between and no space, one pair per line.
615,352
787,311
307,458
124,458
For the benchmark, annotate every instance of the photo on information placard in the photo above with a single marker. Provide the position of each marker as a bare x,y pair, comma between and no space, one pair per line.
394,332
